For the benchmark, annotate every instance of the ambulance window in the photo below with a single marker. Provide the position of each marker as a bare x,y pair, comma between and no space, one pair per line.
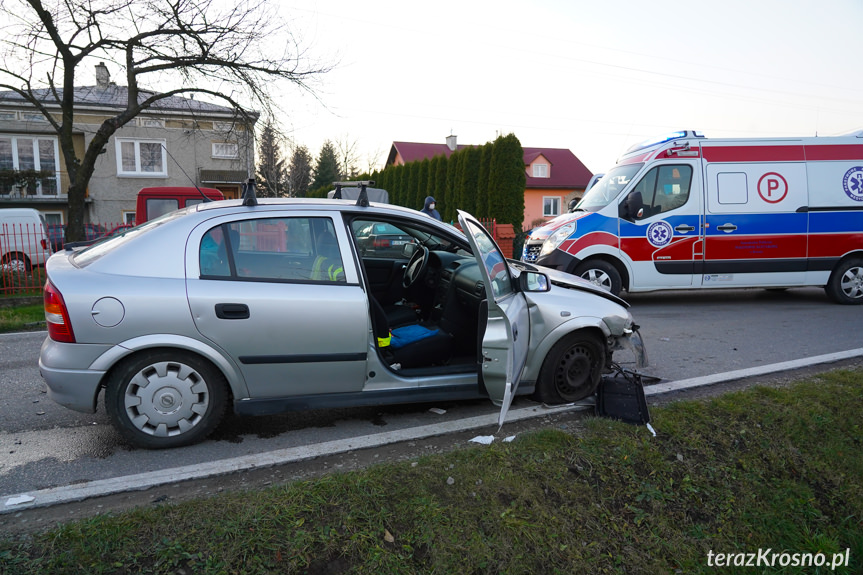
664,188
732,188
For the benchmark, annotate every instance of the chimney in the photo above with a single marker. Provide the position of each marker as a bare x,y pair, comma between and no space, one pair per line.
103,78
450,142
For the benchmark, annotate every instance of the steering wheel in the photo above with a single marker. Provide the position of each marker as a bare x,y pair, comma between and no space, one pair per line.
416,267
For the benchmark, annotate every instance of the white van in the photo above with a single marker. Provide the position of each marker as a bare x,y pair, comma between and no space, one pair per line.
686,212
23,239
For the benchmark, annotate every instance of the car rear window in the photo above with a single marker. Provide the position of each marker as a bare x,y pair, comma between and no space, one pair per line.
91,253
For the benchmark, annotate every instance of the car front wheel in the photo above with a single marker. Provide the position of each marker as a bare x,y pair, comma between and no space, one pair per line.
571,370
165,398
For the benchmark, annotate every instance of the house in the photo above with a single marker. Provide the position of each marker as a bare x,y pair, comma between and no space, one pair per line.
554,175
177,142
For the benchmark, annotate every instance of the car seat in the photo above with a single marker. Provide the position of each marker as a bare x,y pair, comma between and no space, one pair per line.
328,264
419,346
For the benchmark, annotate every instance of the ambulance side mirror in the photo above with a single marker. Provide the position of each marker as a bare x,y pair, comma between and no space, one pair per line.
631,207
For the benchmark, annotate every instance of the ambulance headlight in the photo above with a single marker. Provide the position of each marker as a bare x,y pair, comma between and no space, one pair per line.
555,239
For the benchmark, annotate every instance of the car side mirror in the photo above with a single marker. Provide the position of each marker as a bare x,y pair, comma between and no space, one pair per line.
408,249
533,282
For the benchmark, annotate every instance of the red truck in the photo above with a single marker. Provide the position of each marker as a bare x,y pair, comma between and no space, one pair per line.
154,202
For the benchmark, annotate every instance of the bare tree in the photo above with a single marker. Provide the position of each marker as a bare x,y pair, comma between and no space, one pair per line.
232,52
348,156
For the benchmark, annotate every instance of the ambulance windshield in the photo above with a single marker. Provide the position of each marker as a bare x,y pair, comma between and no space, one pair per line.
608,188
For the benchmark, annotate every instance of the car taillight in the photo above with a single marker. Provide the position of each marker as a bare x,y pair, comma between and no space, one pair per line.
59,326
382,243
44,243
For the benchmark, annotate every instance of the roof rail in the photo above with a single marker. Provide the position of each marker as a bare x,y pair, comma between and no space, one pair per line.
362,199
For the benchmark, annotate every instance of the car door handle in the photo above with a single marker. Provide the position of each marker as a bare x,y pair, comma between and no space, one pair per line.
683,229
727,228
232,311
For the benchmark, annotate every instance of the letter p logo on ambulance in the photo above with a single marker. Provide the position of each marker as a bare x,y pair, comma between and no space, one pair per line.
853,183
659,234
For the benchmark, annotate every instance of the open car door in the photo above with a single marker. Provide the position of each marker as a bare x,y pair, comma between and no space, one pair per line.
507,335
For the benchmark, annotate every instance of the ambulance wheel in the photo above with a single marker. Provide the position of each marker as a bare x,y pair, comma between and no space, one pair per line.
846,282
571,370
601,273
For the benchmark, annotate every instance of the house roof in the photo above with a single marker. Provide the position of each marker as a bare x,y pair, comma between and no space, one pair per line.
116,97
565,171
414,151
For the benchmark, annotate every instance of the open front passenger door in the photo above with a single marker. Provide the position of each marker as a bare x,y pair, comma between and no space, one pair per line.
507,335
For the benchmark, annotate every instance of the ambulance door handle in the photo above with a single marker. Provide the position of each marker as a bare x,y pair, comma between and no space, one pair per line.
727,228
684,229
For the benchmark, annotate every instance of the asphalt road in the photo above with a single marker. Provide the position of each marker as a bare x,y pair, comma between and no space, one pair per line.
687,335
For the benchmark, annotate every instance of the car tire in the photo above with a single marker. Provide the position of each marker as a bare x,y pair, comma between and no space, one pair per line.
601,273
846,282
16,262
571,370
165,398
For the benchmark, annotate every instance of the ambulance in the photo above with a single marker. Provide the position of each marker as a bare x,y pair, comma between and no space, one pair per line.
686,212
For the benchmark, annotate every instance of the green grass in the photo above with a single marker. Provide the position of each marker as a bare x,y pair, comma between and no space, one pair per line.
22,318
775,468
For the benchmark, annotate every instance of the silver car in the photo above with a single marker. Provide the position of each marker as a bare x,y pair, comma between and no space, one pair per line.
272,307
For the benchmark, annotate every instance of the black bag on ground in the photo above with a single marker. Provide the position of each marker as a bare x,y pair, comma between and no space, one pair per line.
621,396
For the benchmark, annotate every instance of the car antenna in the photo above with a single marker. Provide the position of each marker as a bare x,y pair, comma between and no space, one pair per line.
249,198
203,195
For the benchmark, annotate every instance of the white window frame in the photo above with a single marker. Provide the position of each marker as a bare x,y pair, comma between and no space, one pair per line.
540,170
558,203
138,172
37,160
225,152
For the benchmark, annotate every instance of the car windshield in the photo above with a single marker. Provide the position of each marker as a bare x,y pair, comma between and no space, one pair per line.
608,188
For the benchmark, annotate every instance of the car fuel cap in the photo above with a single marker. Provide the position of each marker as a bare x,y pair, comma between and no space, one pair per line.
108,312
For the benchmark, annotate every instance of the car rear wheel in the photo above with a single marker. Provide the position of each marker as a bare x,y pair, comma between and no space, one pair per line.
601,273
571,370
846,282
166,398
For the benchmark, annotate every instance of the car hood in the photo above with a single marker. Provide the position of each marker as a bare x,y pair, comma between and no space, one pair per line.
569,281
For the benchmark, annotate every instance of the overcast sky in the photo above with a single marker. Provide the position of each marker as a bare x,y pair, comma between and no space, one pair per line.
592,76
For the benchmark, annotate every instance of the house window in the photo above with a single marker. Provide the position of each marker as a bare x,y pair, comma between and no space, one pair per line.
141,157
551,206
26,153
150,122
7,116
223,126
540,170
225,150
33,117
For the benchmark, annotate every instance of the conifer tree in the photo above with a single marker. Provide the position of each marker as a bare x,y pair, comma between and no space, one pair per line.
270,173
300,172
327,167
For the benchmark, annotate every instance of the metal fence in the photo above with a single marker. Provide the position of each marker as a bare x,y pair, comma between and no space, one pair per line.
24,249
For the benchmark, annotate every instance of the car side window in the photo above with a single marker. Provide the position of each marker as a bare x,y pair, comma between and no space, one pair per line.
377,239
273,249
664,188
